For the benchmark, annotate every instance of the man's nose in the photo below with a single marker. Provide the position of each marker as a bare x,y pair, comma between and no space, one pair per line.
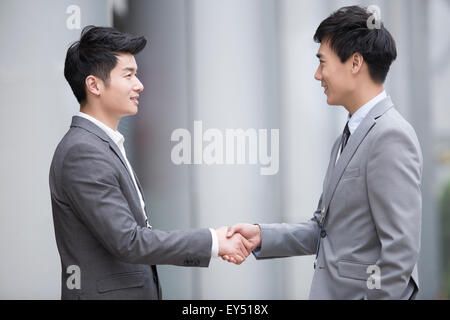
318,75
139,86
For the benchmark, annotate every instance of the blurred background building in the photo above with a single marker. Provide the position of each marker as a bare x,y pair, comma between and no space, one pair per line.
230,64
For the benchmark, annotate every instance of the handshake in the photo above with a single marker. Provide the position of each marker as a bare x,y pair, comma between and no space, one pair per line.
237,242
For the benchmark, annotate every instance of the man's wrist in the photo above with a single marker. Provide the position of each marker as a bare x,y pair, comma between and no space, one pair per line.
259,235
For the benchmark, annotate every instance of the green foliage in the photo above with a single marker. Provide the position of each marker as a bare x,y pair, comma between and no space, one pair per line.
445,233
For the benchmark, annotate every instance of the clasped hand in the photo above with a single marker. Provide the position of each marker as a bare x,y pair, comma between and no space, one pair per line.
237,242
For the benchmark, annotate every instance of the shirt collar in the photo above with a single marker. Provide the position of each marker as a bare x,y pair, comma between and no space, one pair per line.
361,113
115,136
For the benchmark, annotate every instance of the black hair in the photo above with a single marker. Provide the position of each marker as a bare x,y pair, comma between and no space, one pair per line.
347,32
96,54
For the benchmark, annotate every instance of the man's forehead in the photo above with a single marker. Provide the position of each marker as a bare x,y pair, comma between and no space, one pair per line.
126,61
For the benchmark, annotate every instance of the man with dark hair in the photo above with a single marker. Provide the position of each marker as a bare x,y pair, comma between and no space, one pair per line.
365,233
107,247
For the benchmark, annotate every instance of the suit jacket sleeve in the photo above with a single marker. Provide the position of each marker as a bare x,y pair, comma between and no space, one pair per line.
280,240
91,184
394,173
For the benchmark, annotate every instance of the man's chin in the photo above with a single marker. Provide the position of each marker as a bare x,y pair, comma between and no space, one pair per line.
130,112
133,111
332,102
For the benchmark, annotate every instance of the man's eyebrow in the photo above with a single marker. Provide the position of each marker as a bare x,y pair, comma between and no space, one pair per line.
319,55
129,69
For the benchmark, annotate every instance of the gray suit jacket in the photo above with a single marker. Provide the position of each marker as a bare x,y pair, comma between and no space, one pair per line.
370,210
99,225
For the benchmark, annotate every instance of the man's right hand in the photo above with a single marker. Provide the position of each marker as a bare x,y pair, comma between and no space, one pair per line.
236,248
251,232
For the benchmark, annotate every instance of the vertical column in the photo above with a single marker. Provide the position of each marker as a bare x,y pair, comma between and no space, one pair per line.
421,119
232,77
408,84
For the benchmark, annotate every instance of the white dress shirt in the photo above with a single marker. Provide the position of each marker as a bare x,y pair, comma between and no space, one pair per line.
355,120
118,139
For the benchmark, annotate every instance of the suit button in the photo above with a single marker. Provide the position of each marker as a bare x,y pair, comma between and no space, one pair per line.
323,233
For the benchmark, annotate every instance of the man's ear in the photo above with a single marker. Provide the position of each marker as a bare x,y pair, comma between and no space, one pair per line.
357,61
93,85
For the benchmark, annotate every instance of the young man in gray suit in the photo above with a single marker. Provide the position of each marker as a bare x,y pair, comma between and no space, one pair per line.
107,247
365,232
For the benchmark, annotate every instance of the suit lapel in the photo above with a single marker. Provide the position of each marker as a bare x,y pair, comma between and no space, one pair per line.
116,150
334,152
93,128
142,192
334,176
139,185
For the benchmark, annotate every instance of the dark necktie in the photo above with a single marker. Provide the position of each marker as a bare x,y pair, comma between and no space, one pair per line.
345,136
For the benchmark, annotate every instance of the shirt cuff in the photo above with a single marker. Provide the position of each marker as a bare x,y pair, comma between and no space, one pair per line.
215,244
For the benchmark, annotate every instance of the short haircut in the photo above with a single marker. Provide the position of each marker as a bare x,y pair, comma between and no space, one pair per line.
96,54
347,32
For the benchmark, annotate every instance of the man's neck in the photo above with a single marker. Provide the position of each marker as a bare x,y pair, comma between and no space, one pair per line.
362,96
101,116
